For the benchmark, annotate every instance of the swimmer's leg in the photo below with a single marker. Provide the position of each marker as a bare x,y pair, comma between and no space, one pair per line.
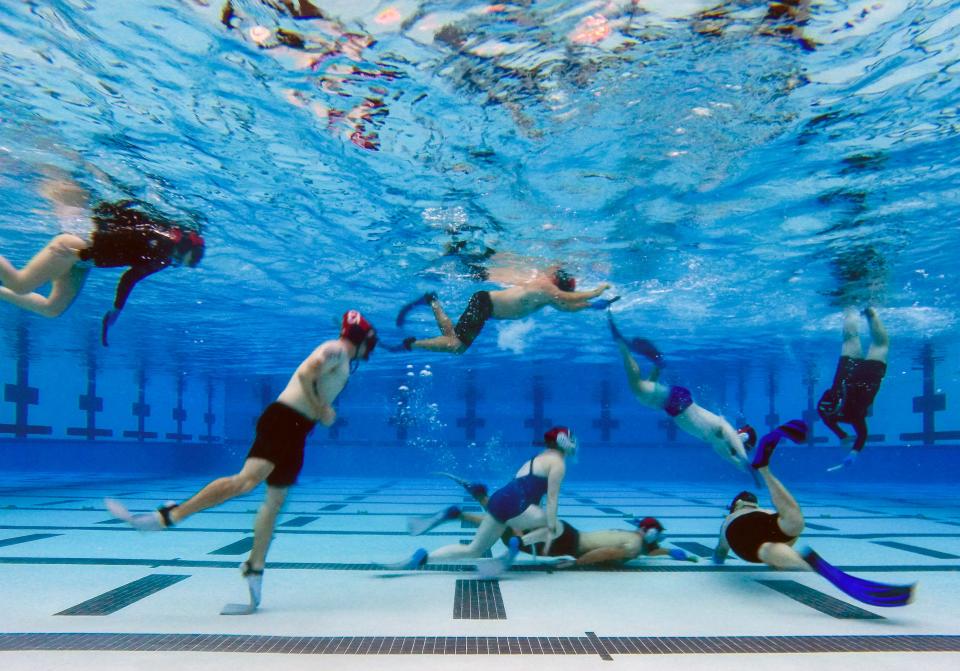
791,517
851,335
255,470
64,291
488,534
53,261
879,341
265,524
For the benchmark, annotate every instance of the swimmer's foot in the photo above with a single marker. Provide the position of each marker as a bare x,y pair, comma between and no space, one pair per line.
421,525
416,560
867,591
405,346
254,578
491,568
155,521
426,299
646,349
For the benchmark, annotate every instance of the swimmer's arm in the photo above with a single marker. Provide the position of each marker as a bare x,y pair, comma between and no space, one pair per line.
126,284
721,551
603,555
311,371
860,428
572,301
831,422
477,519
555,478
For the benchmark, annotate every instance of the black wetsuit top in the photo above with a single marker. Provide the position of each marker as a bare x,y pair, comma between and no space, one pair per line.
855,385
127,236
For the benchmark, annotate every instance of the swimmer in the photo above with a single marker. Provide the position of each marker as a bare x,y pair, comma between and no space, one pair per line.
126,233
507,507
278,450
855,383
554,287
678,403
763,537
587,547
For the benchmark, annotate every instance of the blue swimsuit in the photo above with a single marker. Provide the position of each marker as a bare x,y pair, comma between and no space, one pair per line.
517,495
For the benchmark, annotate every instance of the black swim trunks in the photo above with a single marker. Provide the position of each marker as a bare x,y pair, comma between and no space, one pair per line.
281,437
478,311
745,534
126,235
567,544
857,382
678,400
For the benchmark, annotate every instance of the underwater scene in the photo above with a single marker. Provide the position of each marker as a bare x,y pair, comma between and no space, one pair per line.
626,329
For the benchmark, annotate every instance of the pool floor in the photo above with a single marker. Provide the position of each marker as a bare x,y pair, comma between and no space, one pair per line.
79,591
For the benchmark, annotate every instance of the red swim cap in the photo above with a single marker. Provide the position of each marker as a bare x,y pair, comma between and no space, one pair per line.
748,435
563,280
560,438
355,328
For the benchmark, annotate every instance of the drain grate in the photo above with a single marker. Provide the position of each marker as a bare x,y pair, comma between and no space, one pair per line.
478,600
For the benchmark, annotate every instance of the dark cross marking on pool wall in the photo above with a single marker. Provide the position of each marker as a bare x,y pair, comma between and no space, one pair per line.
929,403
91,404
209,417
538,423
180,413
772,419
22,394
606,423
670,428
141,410
470,421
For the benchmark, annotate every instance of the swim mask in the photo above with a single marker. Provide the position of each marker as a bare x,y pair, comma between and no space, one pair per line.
748,436
563,280
561,438
746,496
651,529
358,330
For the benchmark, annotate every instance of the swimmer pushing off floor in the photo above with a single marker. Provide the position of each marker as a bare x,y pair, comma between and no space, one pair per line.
278,450
553,287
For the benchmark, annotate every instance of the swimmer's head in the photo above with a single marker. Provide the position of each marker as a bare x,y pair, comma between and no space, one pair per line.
260,34
748,436
650,528
743,499
189,247
355,328
563,280
561,438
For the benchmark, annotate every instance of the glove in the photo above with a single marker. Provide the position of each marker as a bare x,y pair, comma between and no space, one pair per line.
108,321
603,303
680,555
718,557
848,461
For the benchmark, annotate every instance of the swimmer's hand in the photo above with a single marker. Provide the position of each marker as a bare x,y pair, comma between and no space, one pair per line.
681,555
108,321
850,459
327,415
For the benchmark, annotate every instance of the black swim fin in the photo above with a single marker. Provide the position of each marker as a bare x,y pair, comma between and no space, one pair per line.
867,591
646,349
426,299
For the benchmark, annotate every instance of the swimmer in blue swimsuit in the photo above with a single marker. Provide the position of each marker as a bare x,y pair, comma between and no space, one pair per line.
678,403
507,506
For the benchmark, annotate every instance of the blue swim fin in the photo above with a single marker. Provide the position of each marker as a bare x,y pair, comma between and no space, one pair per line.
416,560
421,525
867,591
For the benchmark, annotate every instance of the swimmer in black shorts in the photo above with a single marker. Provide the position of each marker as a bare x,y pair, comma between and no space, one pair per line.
126,233
678,403
553,287
763,537
855,383
277,452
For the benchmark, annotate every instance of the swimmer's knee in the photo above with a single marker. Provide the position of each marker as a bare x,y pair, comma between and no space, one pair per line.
792,524
51,310
459,347
243,483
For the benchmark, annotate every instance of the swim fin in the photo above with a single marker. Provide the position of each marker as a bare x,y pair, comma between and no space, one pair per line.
603,303
867,591
477,490
426,299
493,568
421,525
646,349
254,580
155,521
415,561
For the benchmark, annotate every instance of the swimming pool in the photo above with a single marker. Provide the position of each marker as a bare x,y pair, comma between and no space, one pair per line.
739,174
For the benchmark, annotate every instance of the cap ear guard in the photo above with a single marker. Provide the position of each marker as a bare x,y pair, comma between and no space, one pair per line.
567,442
359,331
564,281
749,497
